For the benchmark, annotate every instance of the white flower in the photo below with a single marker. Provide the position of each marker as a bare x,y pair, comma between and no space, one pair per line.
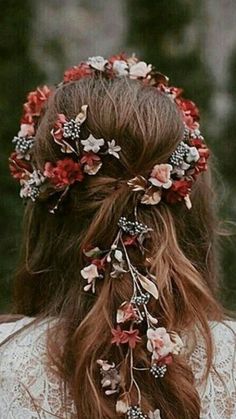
159,343
193,155
98,63
90,273
113,148
141,69
155,415
36,178
111,377
180,171
120,67
92,144
177,343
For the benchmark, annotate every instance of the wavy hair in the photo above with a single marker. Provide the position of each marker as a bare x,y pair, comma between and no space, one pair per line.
148,127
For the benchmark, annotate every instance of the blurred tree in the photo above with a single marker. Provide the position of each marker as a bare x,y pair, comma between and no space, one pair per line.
18,74
226,149
169,35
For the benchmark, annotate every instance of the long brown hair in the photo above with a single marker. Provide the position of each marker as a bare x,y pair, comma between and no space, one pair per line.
148,127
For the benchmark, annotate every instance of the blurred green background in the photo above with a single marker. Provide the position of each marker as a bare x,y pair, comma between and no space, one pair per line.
192,41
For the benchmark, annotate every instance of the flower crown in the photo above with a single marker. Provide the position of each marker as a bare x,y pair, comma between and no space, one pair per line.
171,182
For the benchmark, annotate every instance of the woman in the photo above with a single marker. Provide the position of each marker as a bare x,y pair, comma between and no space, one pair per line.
117,282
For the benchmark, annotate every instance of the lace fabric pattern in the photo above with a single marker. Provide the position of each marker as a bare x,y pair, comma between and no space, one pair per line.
30,389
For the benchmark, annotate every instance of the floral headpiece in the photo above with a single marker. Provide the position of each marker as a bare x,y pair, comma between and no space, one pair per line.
171,181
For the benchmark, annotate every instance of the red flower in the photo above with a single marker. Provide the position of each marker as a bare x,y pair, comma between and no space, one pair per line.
189,108
118,336
100,263
204,154
27,118
90,158
190,112
176,91
58,126
34,104
179,190
125,336
77,72
18,167
129,240
64,173
131,337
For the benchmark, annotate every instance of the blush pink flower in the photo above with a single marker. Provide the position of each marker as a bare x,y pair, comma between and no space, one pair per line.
26,130
160,175
63,173
92,163
159,343
126,312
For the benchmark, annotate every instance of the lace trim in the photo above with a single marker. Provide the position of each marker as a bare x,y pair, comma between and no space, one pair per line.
31,390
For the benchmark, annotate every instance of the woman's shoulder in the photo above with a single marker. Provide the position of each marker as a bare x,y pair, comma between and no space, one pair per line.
27,377
217,392
10,326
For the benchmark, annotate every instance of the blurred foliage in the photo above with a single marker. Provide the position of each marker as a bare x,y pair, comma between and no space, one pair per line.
18,74
165,33
226,150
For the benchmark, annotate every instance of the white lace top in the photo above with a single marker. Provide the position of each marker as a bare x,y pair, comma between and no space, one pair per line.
30,390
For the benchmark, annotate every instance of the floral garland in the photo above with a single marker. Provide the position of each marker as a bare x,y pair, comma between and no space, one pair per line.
64,173
160,343
171,182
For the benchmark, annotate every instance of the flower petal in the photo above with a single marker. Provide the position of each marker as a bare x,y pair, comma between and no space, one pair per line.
151,197
138,183
149,286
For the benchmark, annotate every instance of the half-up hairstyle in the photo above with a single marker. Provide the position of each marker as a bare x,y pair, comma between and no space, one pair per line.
180,249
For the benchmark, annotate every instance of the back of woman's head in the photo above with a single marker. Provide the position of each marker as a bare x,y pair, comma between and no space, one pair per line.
178,251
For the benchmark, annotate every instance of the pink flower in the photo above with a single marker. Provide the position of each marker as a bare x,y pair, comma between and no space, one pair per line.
160,175
35,102
64,173
125,336
126,312
77,72
58,130
159,343
26,130
92,163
